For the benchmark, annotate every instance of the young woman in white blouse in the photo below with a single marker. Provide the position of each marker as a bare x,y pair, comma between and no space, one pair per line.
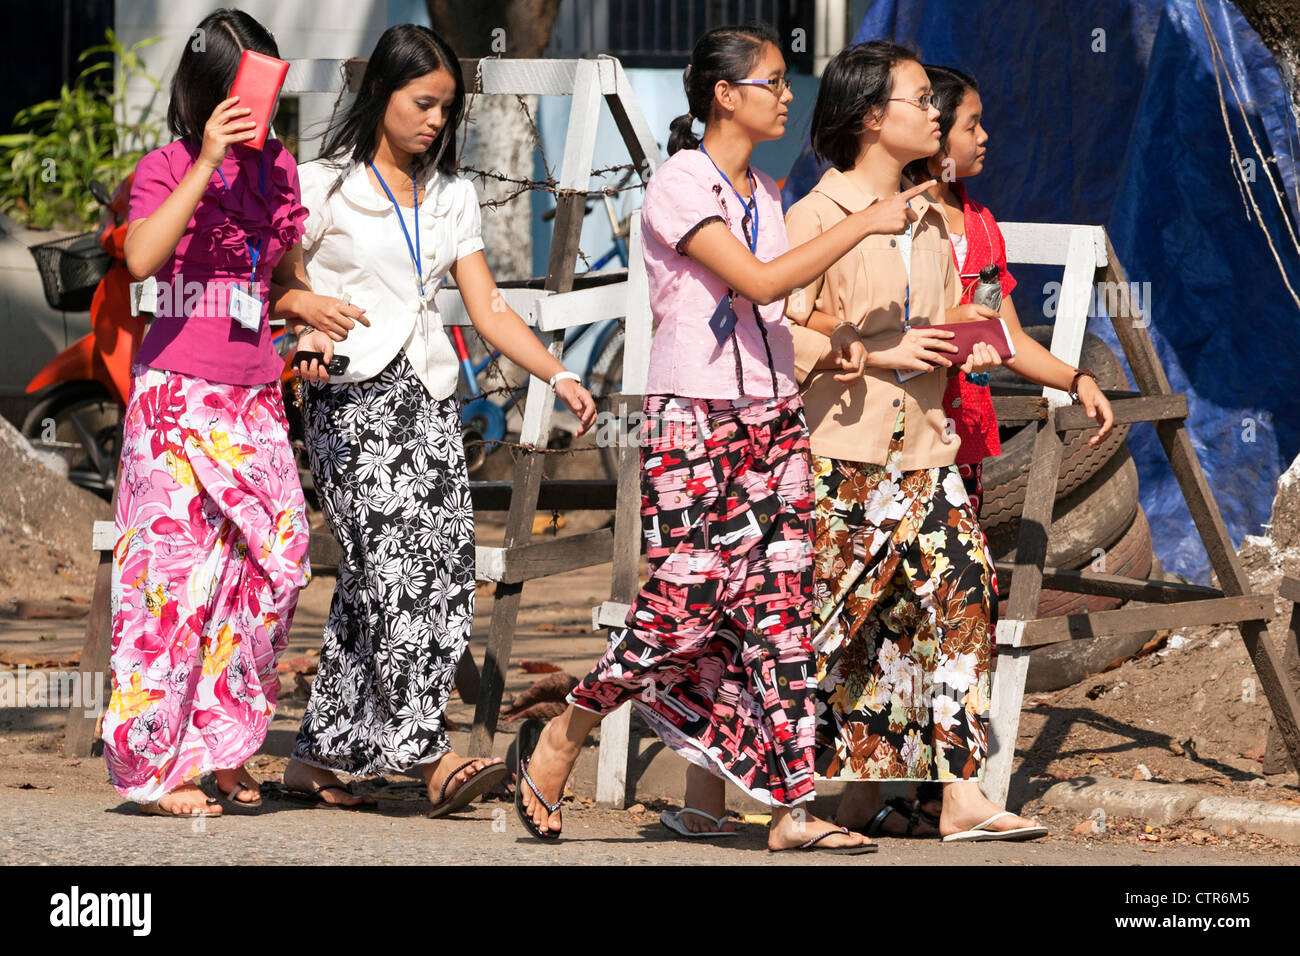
385,435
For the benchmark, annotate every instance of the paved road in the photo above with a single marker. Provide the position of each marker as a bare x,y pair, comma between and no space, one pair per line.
48,828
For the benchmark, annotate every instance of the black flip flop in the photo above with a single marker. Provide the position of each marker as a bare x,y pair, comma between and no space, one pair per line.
837,850
315,799
474,787
909,811
529,734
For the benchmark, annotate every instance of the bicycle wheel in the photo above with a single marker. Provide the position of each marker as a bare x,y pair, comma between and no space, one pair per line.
605,379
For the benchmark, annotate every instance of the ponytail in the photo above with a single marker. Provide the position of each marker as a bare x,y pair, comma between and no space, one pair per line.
680,134
724,53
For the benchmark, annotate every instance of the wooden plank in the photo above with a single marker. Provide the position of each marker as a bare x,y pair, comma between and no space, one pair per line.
1289,588
555,494
103,536
616,728
1128,411
1012,663
575,175
632,126
639,328
546,77
1047,243
1130,620
543,558
1276,758
1074,304
1019,408
79,727
451,307
1110,585
583,307
609,614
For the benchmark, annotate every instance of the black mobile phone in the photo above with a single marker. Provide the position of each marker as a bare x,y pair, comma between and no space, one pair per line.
337,366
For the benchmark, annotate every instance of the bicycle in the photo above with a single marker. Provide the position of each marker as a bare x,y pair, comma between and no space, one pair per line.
484,419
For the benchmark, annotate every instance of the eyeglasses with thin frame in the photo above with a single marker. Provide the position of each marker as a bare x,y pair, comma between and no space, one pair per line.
923,102
778,84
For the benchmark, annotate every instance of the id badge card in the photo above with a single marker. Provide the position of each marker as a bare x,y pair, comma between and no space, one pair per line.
245,307
724,319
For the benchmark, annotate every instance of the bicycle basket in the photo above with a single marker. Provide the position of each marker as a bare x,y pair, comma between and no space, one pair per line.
71,269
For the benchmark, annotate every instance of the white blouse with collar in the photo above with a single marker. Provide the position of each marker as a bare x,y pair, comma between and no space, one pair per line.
354,245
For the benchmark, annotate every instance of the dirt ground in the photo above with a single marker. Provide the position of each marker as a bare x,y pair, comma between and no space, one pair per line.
1184,712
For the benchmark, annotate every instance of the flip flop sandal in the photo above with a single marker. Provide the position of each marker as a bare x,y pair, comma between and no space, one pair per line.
477,784
231,799
314,797
981,832
837,850
154,808
673,821
911,812
529,734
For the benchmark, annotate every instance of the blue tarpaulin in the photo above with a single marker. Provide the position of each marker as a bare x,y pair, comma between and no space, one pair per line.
1124,128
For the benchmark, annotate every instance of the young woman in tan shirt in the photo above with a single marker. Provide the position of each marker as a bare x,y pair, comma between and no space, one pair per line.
903,574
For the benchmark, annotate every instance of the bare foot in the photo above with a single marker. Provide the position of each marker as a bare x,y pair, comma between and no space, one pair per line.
305,778
187,800
794,827
708,793
436,774
549,768
226,779
964,806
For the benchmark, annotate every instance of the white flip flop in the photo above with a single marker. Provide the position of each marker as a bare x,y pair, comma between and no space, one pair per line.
672,820
981,832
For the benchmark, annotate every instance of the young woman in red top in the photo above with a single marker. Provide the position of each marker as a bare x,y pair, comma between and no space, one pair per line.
976,242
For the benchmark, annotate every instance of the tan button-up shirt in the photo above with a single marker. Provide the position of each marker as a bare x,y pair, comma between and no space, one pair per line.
867,287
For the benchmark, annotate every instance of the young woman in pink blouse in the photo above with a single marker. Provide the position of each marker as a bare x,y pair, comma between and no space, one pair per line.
715,654
212,531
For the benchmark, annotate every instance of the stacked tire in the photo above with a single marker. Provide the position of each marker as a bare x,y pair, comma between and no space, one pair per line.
1097,523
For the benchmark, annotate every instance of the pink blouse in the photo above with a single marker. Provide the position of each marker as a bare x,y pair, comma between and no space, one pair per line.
258,200
686,359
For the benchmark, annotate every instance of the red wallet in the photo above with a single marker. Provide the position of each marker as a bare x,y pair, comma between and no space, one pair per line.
257,84
966,335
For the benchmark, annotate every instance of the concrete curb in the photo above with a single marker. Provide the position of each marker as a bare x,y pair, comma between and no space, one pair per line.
1161,804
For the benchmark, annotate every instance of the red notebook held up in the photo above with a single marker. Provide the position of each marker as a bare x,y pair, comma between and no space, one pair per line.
257,84
966,335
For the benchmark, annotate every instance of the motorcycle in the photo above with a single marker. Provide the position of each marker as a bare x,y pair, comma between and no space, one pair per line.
84,389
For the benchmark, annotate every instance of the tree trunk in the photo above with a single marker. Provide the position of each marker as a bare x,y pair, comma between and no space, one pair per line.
1278,24
497,134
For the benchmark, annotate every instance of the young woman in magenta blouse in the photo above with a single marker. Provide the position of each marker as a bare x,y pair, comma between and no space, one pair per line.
212,530
389,218
715,654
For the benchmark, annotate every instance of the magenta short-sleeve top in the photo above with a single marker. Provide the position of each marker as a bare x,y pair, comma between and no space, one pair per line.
686,358
254,198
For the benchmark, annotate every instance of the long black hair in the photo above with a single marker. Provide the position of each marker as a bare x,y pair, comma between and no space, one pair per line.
857,82
724,53
208,67
949,86
404,52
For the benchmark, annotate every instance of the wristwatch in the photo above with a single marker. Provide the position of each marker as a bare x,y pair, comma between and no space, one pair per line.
1074,382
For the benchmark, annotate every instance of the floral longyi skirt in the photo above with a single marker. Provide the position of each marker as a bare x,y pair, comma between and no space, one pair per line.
904,584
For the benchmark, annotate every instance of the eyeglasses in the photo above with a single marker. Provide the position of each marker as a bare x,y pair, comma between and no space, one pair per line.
777,84
920,102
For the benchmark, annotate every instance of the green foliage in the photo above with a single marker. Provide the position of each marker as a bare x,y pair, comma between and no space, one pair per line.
62,144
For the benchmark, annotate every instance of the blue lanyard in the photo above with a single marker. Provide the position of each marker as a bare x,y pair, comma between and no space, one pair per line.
414,250
750,205
254,251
